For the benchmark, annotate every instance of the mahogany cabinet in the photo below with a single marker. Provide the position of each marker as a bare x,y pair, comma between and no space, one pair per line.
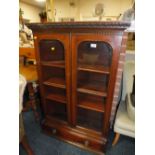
77,65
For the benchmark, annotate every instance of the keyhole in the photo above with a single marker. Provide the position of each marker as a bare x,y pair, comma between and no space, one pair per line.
86,143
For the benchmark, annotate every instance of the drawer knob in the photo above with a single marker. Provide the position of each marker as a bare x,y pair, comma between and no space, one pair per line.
86,142
52,48
54,131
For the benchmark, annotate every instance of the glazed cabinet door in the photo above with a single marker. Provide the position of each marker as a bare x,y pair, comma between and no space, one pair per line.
93,57
53,56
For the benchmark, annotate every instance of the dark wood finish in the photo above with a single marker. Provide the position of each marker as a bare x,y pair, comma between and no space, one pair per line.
98,89
92,104
76,135
59,64
56,97
56,110
90,119
33,100
122,42
38,27
93,89
94,68
77,66
55,82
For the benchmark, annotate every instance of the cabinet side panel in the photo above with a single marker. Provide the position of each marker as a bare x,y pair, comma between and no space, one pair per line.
118,77
117,39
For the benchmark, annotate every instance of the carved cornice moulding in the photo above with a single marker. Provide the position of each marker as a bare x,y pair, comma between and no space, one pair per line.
108,25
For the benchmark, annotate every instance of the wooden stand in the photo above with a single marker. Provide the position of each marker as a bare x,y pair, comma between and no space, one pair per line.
30,73
77,65
26,146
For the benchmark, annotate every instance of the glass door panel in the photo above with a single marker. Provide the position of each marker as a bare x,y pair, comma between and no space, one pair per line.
94,53
93,70
52,59
52,53
56,110
90,119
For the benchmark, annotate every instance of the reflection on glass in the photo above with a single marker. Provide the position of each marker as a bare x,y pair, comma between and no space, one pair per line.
95,53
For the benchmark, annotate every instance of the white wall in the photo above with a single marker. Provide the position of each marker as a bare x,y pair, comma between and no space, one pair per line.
64,10
84,8
30,12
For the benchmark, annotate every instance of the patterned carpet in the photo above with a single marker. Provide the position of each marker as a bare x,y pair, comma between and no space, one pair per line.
45,145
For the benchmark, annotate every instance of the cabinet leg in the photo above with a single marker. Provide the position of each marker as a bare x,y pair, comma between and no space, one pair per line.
117,135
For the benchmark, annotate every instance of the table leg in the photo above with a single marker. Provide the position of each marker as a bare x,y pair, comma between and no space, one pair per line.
33,100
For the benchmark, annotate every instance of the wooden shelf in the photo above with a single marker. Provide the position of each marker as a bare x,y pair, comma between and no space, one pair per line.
93,89
94,105
55,82
59,64
60,117
56,97
95,69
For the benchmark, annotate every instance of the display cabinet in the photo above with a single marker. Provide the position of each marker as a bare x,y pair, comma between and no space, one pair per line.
77,65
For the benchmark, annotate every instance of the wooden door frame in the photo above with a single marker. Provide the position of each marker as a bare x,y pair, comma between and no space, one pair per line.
64,38
114,41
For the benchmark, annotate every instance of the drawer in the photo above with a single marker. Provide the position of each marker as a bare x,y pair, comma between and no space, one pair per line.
78,139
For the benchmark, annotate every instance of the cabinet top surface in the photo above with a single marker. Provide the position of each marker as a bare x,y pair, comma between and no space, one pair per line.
72,25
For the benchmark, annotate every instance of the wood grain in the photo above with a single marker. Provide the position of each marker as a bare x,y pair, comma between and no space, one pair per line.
89,88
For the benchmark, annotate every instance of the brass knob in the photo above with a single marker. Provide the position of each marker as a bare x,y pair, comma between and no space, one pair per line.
52,48
54,131
86,142
35,37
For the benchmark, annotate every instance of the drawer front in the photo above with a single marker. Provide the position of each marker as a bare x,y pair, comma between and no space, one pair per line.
81,140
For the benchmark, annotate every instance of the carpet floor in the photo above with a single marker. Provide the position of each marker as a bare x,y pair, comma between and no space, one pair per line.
46,145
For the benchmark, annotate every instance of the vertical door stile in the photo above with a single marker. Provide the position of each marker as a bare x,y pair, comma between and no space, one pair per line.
68,75
74,79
